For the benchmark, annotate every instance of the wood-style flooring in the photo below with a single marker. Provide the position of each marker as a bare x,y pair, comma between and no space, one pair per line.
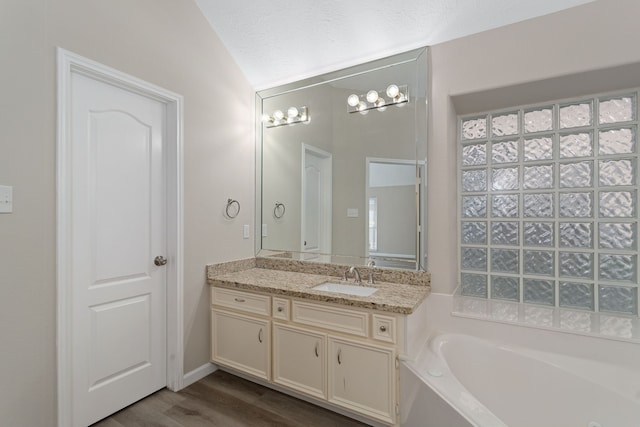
225,400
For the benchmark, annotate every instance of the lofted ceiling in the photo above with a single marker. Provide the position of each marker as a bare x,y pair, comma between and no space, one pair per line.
280,42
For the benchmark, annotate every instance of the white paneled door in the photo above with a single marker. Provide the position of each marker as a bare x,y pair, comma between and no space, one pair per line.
316,200
118,245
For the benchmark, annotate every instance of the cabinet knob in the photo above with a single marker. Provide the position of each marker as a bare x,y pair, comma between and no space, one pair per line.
260,335
159,261
383,328
280,309
239,299
317,354
339,354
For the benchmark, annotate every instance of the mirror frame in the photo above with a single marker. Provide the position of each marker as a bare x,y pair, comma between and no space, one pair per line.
398,59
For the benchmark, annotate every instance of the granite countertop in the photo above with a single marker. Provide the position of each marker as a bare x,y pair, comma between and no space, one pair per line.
390,297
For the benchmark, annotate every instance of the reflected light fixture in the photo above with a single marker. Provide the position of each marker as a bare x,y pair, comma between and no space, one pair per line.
379,100
279,118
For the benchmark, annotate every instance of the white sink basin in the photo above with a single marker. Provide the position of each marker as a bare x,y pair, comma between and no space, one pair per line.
343,288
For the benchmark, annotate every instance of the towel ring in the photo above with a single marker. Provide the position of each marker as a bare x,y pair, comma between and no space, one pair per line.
231,202
279,210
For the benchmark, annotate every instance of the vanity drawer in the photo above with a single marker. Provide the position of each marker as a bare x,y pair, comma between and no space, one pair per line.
332,318
240,300
384,328
280,308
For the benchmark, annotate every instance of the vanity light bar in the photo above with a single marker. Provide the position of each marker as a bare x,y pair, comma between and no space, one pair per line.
293,115
379,100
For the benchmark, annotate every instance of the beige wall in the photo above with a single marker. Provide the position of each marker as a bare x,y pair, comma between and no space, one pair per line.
587,49
168,43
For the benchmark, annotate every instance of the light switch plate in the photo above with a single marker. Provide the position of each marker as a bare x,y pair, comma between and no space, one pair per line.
245,231
264,230
6,199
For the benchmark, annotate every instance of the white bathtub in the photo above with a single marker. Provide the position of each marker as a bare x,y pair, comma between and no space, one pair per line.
458,380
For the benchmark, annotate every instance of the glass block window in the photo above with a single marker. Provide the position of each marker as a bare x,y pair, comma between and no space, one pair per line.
549,204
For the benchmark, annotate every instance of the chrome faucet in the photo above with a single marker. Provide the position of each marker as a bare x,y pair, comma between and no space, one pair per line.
372,265
356,275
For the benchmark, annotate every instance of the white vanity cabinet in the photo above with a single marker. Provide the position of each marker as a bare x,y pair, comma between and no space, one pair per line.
240,339
336,354
241,342
362,377
299,360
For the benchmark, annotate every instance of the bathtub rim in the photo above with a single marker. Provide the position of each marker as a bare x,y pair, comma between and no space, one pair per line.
449,388
426,356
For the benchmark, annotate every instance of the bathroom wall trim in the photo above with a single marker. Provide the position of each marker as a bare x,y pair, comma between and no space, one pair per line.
68,63
198,374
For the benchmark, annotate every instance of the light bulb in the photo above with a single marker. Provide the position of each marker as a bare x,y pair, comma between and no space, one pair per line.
379,102
353,100
402,100
392,91
266,118
292,112
372,96
278,115
361,106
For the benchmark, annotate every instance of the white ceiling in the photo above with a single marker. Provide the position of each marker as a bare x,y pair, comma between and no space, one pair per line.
276,42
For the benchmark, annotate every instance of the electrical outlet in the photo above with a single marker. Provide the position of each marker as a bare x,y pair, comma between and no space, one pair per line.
245,231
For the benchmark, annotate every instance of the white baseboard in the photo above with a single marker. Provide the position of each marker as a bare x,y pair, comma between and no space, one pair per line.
198,374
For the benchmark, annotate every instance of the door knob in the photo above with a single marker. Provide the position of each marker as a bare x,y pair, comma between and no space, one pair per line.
159,260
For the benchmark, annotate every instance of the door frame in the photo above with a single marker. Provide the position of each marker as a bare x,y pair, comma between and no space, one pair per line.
327,215
67,64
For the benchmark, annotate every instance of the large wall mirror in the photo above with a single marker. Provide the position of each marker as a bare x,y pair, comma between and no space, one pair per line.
341,165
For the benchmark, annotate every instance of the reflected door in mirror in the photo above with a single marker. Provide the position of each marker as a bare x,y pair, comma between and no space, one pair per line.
316,197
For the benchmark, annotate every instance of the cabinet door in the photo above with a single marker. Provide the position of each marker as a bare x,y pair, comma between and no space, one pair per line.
241,342
362,378
299,360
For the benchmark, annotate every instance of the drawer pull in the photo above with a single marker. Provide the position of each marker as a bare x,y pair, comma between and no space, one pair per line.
260,335
239,299
339,353
280,309
317,354
383,328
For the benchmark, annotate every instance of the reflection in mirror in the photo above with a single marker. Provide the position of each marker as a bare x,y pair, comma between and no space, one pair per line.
391,188
340,161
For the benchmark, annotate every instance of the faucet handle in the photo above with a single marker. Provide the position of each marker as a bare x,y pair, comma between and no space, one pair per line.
344,275
372,265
